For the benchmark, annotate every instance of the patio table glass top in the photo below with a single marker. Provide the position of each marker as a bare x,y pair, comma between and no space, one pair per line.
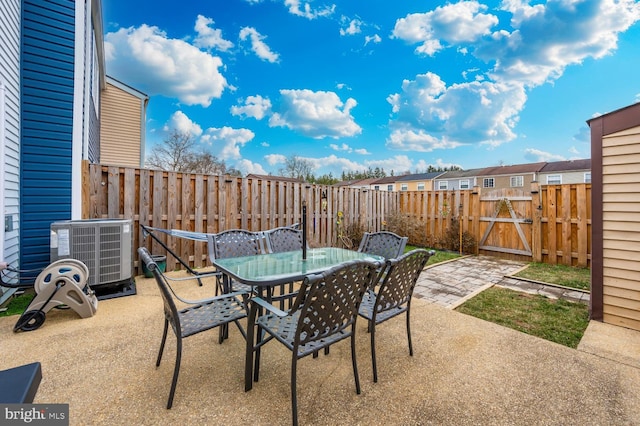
276,268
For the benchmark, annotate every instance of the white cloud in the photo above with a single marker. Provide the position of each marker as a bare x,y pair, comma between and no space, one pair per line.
226,141
183,124
258,46
453,23
254,106
535,155
346,148
551,36
247,167
273,159
209,37
417,140
265,144
429,114
547,37
334,164
298,8
343,147
159,65
316,114
372,39
397,164
350,27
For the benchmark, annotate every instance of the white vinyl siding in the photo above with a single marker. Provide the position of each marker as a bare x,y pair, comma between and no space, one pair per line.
517,181
10,129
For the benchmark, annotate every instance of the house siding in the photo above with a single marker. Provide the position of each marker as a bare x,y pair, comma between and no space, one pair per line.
121,128
621,233
47,85
10,127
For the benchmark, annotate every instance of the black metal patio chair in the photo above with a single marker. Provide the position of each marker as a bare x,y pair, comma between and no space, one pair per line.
234,243
196,317
383,243
393,297
324,313
280,240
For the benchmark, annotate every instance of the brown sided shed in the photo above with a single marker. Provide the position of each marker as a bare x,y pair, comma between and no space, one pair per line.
615,174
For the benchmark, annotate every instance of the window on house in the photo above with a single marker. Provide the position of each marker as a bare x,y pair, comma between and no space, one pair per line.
420,186
587,177
517,181
404,187
376,187
554,179
443,184
464,184
488,183
389,187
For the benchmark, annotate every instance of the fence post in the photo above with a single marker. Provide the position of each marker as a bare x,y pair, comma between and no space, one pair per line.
475,196
536,225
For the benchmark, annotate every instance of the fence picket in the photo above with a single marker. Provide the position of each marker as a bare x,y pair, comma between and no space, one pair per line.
560,215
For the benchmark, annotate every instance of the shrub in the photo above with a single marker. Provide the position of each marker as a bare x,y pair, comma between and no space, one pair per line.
408,226
451,239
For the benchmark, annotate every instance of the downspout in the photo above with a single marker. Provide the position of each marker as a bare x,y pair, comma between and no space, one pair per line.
143,131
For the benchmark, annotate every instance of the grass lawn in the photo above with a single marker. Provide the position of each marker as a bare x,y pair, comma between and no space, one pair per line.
559,321
567,276
18,304
440,256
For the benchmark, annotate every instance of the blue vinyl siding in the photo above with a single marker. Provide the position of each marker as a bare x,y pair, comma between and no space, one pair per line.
47,84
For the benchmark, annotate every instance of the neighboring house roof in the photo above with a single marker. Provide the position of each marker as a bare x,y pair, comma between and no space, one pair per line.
567,166
384,180
420,176
279,178
456,174
349,182
512,170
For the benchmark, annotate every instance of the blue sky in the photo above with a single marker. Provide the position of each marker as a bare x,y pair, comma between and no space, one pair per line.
399,84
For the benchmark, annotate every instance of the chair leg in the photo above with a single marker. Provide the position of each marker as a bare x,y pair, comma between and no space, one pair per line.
294,396
409,334
256,364
372,326
354,362
164,339
176,371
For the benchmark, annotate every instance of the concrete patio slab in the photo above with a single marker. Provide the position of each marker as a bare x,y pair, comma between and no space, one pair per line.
464,371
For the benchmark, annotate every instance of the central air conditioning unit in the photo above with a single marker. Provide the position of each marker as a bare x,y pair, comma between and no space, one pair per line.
105,246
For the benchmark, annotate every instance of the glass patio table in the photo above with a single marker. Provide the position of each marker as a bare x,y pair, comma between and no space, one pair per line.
268,270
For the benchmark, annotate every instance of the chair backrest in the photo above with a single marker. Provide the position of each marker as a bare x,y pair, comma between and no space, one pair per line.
329,302
283,239
400,279
234,243
170,309
383,243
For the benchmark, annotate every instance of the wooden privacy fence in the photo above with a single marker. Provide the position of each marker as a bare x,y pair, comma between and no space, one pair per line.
551,224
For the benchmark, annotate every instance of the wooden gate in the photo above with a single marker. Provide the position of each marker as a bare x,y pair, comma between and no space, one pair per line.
505,222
